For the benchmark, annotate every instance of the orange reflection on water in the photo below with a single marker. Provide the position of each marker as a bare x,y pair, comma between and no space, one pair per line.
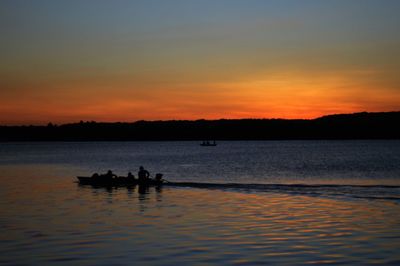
194,224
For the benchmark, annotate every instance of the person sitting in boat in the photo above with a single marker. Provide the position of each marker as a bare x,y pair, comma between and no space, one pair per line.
130,176
110,175
143,174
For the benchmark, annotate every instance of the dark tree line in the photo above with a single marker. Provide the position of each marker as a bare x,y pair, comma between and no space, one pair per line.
343,126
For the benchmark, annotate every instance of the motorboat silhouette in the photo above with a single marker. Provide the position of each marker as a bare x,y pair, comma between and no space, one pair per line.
103,180
207,143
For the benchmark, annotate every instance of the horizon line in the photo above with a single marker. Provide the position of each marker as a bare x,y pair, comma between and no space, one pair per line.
191,120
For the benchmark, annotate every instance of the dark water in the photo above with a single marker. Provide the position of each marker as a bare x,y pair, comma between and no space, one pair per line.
278,202
277,162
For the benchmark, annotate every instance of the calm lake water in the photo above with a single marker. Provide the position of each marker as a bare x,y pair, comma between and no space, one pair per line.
266,202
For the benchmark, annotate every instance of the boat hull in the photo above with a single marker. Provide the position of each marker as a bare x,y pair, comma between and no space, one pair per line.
208,145
119,181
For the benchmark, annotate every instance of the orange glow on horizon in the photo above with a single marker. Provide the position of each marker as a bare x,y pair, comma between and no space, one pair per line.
285,95
138,60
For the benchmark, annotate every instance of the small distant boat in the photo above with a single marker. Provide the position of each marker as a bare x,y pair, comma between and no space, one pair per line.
207,143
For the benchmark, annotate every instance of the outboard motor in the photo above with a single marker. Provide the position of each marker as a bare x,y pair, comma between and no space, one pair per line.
158,177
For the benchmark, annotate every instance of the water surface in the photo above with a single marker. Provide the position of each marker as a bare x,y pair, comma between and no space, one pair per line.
346,210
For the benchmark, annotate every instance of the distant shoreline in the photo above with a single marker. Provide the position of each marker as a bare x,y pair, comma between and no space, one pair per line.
382,125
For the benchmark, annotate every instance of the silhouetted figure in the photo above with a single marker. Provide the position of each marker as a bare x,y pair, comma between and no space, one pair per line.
130,176
95,175
143,174
109,175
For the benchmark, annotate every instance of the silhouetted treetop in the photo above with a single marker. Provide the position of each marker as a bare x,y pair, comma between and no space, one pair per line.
340,126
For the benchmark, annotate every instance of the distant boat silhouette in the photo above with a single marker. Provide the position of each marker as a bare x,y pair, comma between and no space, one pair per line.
207,143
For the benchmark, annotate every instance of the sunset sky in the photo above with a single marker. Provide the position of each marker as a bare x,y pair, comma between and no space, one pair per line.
66,61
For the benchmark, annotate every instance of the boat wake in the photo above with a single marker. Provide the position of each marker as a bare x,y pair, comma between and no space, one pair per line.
371,192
